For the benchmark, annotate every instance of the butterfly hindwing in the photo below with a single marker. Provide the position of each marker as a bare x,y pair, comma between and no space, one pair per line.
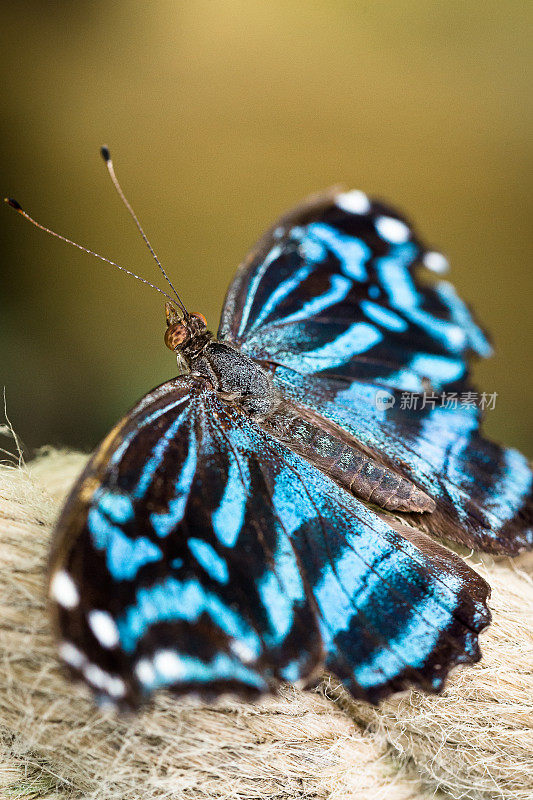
394,608
198,553
482,491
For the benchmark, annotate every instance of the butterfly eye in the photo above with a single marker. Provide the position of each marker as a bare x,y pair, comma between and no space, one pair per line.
199,319
175,335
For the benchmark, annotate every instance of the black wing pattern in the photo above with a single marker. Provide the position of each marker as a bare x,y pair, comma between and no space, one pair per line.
336,300
197,553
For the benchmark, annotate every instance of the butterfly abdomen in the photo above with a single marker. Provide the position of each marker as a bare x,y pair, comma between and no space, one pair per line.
353,469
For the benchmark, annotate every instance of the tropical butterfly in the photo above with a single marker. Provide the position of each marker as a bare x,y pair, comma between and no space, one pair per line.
261,518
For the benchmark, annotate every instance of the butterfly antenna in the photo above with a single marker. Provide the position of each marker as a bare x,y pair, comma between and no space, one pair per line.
106,155
14,204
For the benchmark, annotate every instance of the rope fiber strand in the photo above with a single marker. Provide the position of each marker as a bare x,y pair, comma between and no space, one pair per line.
473,742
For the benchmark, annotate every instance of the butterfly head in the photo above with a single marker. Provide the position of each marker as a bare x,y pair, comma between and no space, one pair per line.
185,335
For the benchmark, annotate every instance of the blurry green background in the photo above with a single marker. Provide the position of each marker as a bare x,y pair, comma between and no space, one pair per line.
221,115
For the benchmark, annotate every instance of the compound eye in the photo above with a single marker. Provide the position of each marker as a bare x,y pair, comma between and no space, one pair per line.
199,318
175,335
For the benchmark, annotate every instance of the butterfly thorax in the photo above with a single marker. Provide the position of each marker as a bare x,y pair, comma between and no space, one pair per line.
237,378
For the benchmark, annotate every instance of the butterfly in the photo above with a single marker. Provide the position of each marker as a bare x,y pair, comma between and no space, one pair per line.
260,517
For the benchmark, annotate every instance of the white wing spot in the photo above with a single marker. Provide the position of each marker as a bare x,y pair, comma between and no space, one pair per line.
145,671
436,262
242,651
70,653
96,676
104,628
103,680
116,686
169,665
63,590
392,230
354,202
456,336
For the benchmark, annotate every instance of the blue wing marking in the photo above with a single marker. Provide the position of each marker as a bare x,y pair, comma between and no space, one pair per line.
405,647
359,338
274,253
124,556
445,448
280,589
282,291
393,272
293,508
209,559
118,507
452,336
167,670
339,290
228,518
512,487
439,370
462,317
144,423
172,600
158,454
352,253
384,316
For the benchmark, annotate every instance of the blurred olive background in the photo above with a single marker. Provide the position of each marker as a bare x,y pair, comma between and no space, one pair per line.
220,115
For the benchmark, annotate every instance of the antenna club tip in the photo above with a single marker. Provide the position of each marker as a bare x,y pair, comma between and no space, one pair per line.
106,155
13,203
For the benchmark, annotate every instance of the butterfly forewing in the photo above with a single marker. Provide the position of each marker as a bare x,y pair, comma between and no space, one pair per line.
334,301
180,573
337,292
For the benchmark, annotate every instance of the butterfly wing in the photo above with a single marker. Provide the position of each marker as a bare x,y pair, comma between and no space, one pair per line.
199,554
335,301
333,289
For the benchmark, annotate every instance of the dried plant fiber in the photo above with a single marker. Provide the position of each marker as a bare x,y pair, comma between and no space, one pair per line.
474,741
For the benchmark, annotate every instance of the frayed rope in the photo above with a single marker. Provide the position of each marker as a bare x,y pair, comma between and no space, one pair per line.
474,741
